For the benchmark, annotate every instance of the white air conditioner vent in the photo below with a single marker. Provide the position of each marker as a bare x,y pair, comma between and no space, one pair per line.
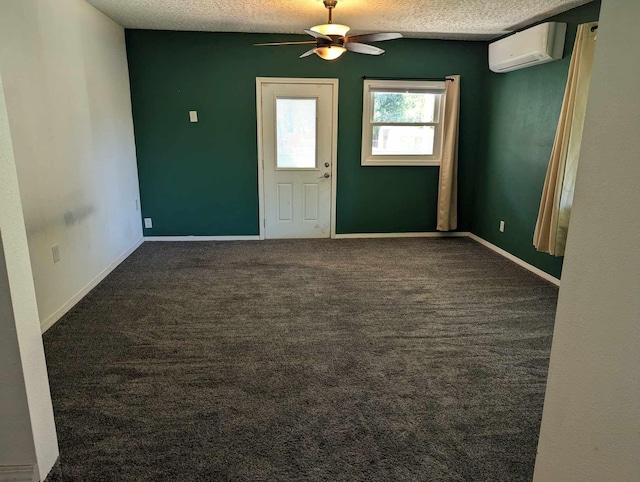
536,45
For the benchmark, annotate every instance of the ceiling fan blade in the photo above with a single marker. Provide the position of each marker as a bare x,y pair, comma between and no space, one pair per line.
307,53
373,37
363,48
285,43
318,35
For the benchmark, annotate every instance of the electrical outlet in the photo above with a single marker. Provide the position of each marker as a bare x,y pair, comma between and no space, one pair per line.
148,223
502,226
193,116
55,251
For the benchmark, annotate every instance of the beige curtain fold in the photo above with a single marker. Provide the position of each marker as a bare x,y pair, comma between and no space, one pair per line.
550,234
448,180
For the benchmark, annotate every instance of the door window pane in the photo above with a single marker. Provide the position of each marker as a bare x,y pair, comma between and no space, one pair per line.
402,140
296,133
404,107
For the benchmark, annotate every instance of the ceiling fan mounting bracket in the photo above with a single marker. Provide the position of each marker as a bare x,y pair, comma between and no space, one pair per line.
330,5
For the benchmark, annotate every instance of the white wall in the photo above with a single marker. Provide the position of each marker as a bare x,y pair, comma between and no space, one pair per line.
67,89
16,440
27,430
591,421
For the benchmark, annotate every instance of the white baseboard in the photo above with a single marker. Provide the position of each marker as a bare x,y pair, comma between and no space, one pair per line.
52,319
515,259
60,312
431,234
203,238
18,473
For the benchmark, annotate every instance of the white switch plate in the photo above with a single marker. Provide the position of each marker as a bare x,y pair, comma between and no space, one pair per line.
148,223
502,226
193,115
55,250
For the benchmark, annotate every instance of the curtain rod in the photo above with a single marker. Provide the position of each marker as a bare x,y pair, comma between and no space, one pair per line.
364,77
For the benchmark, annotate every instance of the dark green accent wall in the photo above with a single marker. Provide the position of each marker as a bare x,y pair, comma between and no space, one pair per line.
522,110
201,179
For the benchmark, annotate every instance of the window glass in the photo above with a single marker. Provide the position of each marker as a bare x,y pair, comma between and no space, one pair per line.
296,133
390,140
402,122
403,107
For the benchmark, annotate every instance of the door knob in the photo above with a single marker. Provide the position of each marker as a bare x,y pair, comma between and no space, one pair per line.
326,164
326,174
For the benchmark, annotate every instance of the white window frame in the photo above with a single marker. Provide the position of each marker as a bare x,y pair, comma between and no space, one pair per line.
401,86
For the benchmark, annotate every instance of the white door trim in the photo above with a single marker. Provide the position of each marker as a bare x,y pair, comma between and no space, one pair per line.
334,143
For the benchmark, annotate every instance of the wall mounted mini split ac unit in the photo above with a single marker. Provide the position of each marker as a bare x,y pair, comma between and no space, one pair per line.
533,46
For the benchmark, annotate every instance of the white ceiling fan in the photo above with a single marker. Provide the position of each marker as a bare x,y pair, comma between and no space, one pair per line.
331,39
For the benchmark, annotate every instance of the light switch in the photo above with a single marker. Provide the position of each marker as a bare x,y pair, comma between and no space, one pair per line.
193,115
55,250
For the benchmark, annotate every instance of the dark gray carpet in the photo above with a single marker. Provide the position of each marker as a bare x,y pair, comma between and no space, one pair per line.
55,474
319,360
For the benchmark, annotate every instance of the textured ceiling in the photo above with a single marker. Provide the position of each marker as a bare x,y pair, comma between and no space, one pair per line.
460,19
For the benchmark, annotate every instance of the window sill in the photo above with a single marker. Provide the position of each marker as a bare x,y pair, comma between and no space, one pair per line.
400,162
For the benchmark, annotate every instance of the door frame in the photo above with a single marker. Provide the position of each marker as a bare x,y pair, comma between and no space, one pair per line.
260,81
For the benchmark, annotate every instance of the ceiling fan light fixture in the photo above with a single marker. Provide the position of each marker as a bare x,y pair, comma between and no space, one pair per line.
331,29
329,52
331,39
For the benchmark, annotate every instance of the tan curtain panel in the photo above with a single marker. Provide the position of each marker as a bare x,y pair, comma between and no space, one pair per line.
550,235
448,181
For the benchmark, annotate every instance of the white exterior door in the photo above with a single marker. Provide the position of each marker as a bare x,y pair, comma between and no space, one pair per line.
297,158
